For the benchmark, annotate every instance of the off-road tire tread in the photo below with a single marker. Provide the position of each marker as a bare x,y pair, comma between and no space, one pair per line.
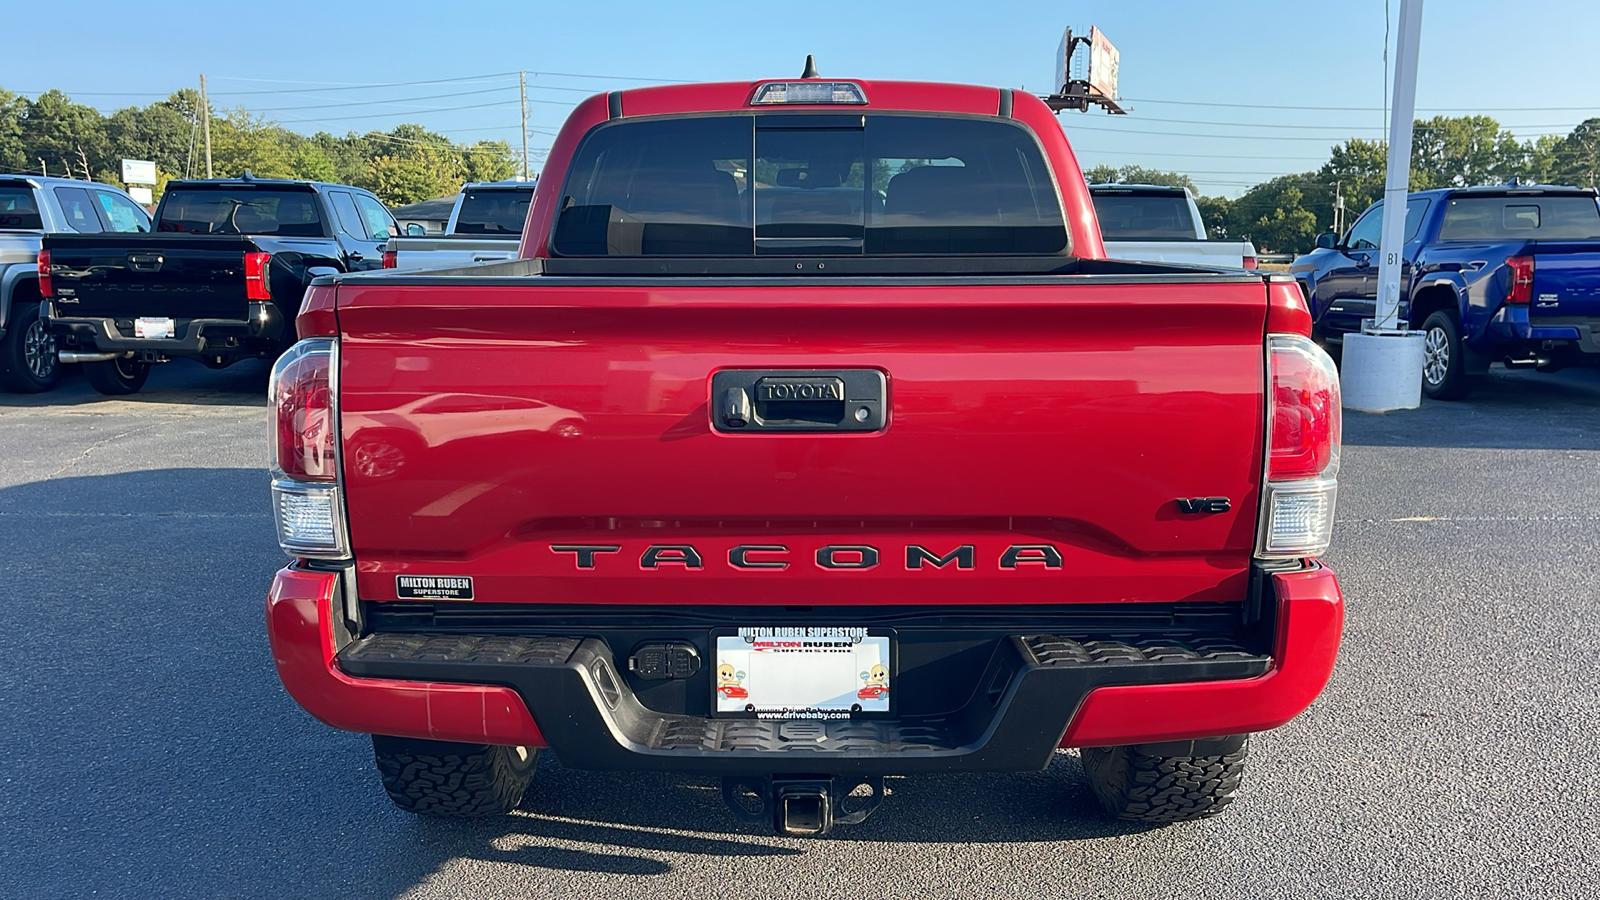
435,778
1145,787
14,374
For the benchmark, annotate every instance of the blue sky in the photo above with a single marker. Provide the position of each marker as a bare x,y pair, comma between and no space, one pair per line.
1531,65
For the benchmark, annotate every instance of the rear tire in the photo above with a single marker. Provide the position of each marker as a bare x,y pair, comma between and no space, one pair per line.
28,361
1444,370
1143,784
116,377
441,778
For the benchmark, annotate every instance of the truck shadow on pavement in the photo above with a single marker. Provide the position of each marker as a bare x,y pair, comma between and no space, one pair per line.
180,381
642,824
1519,410
142,700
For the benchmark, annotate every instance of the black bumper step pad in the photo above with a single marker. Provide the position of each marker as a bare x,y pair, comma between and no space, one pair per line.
1013,719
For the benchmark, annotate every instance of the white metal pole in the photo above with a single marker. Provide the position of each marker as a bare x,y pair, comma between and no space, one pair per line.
1403,110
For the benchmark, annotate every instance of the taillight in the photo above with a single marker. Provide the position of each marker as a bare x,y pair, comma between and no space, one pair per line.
1303,438
304,451
44,275
390,259
256,284
1250,262
1520,290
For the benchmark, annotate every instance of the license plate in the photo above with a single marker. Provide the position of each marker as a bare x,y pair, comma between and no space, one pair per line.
803,672
150,327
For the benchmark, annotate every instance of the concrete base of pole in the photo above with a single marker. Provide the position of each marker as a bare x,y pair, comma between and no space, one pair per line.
1382,371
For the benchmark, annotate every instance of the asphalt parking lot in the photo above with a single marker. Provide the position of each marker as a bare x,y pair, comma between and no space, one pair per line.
150,751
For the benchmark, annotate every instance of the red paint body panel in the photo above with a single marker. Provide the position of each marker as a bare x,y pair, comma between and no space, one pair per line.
318,314
1310,619
300,631
1070,413
1310,614
1287,312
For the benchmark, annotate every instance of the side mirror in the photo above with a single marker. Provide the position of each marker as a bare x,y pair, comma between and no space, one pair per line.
414,229
1327,240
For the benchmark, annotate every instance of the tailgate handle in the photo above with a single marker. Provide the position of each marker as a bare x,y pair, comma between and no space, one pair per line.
809,400
145,262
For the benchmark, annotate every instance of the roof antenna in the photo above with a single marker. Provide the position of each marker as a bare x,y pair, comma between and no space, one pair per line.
811,68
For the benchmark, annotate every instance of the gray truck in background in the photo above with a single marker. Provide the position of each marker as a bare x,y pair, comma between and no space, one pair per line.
1157,223
31,207
485,226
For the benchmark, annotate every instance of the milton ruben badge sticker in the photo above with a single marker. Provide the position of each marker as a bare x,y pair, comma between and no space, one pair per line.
433,587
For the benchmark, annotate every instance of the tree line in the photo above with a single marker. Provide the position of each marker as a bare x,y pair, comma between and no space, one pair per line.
51,135
1286,213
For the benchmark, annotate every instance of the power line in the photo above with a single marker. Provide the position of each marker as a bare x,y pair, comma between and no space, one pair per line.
1467,109
1251,137
381,102
391,115
350,85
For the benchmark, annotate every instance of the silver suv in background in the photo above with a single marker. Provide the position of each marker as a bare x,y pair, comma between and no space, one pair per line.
31,207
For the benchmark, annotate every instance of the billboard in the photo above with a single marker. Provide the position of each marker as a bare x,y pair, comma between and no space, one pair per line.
1102,64
138,171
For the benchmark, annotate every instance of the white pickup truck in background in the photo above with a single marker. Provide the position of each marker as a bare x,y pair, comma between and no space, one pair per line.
1157,223
485,226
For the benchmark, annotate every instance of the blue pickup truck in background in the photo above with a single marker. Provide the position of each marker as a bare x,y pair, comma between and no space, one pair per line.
1491,274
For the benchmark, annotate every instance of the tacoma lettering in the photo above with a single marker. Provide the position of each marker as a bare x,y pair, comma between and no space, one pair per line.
833,557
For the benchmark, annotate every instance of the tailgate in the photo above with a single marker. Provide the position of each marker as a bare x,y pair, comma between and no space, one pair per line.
552,440
180,277
1566,280
1200,253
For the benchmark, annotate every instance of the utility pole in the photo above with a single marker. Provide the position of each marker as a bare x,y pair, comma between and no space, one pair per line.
205,116
1383,364
1338,207
522,80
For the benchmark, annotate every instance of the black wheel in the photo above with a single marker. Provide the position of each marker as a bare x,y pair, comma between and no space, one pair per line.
439,778
1444,374
28,362
116,377
1138,784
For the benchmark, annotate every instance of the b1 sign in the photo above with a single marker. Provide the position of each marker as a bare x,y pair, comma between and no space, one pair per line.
138,171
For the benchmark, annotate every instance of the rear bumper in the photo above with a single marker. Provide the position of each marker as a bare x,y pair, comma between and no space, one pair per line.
1037,693
1513,331
191,338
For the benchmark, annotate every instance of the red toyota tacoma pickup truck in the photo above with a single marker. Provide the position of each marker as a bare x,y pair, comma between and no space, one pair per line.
812,439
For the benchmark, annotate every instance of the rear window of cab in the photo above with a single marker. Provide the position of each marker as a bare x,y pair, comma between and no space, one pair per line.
813,184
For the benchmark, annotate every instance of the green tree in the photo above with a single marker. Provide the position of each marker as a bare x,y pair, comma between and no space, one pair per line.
69,138
422,174
1216,213
159,132
241,142
1577,159
1358,169
490,161
1131,174
13,157
1284,214
311,162
1462,151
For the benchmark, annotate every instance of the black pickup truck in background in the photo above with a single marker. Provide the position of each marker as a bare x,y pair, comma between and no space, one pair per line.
220,279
